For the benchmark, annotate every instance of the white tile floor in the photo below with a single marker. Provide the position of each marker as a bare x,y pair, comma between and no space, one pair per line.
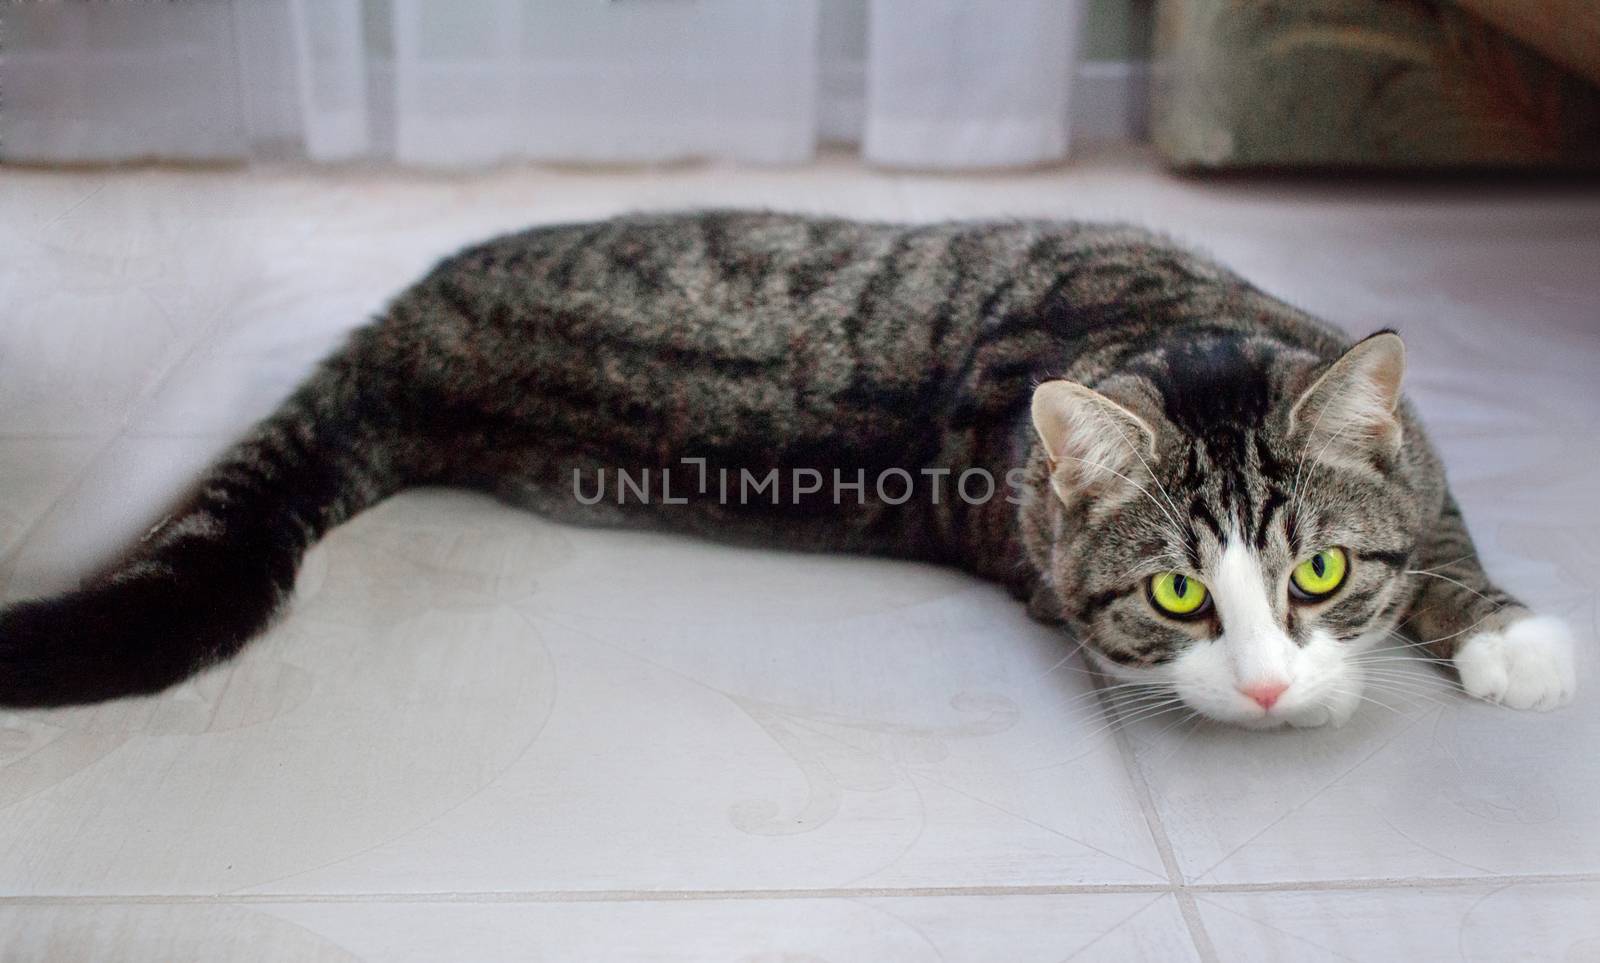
483,736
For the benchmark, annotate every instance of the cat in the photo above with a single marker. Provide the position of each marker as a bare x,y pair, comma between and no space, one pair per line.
1215,494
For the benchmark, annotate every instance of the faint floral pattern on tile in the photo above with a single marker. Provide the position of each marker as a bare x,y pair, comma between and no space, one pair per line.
1494,810
36,753
1520,795
402,571
172,934
1502,924
457,552
406,697
838,755
40,749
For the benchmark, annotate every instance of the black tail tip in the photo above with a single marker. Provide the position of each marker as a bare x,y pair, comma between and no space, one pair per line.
122,637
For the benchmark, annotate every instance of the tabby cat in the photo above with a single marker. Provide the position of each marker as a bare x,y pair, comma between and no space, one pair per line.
1217,494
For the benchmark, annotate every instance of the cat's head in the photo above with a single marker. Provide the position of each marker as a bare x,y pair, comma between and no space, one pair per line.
1228,518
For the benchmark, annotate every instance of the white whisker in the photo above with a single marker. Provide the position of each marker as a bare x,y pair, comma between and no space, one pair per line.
1135,449
1458,583
1142,490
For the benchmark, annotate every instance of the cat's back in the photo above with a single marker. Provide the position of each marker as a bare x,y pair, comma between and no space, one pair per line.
825,324
738,290
744,276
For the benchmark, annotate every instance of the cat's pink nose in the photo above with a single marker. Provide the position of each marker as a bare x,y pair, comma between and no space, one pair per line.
1264,693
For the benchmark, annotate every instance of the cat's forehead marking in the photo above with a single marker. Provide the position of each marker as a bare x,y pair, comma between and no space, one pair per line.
1237,503
1214,389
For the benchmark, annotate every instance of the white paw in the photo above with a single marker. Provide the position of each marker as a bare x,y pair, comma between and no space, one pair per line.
1526,665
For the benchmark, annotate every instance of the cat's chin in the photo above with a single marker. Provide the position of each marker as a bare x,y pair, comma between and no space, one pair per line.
1323,714
1330,715
1330,701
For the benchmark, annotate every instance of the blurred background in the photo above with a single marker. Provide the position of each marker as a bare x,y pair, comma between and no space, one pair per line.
909,83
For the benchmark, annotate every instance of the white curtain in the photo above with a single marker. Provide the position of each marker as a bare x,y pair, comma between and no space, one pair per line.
464,83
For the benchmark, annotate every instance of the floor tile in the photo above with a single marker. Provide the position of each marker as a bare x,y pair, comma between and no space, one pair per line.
1460,789
1466,924
102,298
34,472
1023,929
445,708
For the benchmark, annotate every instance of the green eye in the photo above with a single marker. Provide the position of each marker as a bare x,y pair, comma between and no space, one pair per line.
1320,575
1178,595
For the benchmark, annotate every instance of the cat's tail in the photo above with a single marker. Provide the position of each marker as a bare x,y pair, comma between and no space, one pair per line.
212,574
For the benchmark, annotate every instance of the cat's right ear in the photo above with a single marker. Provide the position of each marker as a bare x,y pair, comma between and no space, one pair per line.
1096,447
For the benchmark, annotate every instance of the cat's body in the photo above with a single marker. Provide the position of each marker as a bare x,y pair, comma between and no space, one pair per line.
725,348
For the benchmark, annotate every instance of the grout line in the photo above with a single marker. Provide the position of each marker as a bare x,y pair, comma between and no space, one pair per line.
1158,831
869,892
600,896
1393,882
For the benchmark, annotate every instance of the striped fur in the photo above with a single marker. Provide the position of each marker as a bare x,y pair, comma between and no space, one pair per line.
763,341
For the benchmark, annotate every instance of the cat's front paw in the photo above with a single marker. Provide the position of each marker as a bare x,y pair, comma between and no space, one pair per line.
1525,665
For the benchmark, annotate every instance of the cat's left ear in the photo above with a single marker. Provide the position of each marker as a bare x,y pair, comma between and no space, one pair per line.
1350,413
